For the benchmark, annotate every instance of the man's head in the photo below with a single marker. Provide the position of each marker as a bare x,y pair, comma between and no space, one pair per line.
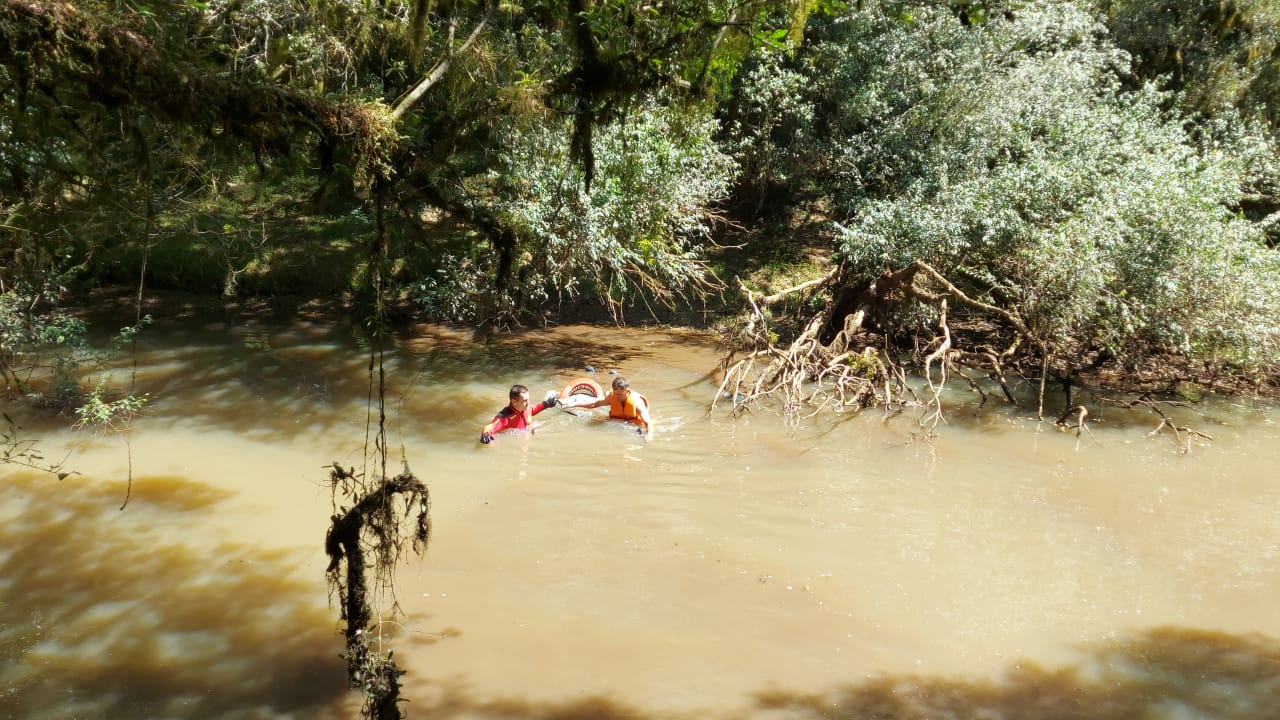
519,394
620,384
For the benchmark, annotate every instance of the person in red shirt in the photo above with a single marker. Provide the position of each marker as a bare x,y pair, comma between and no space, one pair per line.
518,414
623,405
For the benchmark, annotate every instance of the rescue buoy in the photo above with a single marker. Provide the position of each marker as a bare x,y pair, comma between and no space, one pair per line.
585,387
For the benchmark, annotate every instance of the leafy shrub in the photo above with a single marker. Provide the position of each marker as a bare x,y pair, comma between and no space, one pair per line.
645,219
1011,157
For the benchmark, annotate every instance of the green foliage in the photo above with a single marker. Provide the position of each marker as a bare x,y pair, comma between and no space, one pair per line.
42,349
450,291
324,47
864,365
1096,213
113,416
1221,52
644,222
1014,145
771,125
205,95
1010,157
129,333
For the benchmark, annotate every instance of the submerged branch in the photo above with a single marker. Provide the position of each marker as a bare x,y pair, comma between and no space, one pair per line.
1181,435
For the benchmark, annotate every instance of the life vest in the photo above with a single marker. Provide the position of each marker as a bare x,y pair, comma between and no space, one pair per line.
629,409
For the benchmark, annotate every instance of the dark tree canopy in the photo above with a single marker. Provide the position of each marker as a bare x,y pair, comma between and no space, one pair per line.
1098,179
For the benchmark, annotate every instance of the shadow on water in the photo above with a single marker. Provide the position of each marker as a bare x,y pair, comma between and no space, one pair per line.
271,371
272,376
102,618
1165,672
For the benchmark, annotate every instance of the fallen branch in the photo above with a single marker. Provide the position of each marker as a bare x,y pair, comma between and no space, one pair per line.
1179,431
802,287
1182,434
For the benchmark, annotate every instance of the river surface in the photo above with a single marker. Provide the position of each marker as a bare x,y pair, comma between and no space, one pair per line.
735,569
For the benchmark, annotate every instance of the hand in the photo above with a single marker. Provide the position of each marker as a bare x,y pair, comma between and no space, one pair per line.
485,438
552,398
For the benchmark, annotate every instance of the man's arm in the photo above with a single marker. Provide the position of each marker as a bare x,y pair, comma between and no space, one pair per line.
496,425
551,400
486,433
643,408
593,404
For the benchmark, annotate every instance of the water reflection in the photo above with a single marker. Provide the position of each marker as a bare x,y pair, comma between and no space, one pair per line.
267,377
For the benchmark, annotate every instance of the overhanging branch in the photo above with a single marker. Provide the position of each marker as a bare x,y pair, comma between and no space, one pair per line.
438,71
121,67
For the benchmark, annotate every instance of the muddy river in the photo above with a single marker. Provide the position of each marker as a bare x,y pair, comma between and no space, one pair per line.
735,569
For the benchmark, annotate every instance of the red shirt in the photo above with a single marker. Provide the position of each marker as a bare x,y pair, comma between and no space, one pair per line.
509,419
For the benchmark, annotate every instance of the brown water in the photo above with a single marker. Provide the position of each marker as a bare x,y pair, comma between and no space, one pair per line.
743,569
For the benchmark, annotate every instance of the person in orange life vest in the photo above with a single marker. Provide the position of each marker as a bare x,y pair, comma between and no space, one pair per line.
518,414
624,404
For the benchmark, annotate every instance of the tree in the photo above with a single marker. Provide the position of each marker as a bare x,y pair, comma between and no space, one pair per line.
1223,54
421,106
1008,204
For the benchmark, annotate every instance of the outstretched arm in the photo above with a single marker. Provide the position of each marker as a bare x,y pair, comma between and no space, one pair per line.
551,400
601,402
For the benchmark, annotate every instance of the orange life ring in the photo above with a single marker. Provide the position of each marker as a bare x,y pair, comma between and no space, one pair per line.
583,386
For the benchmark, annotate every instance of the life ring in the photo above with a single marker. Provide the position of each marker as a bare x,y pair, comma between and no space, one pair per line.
583,387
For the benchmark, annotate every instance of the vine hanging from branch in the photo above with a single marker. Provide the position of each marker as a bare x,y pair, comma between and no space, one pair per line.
371,527
370,532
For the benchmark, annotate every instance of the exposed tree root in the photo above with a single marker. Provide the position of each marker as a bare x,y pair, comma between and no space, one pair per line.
848,356
833,364
1081,413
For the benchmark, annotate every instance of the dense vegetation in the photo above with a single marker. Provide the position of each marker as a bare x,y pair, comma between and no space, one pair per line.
1050,189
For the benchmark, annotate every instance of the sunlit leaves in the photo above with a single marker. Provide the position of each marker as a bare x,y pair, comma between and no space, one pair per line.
109,416
643,221
1012,156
